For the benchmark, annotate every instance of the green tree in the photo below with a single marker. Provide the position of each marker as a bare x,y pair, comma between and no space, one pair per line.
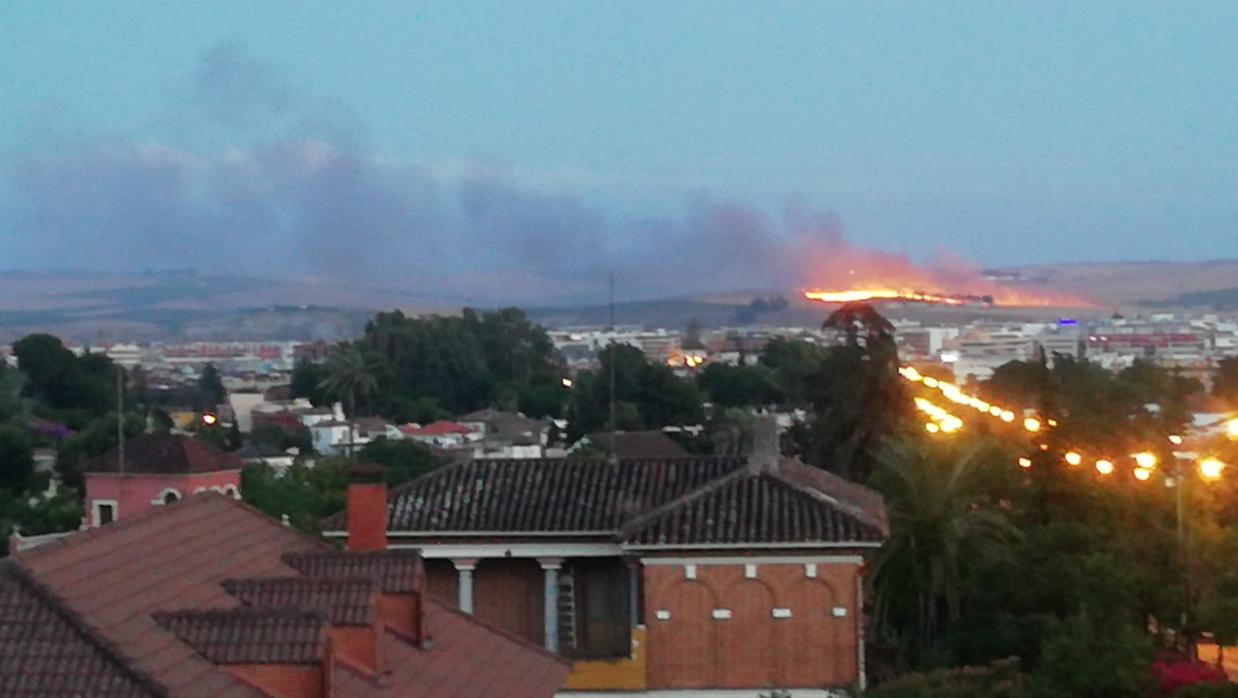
62,381
739,386
350,375
211,388
405,460
307,380
1225,383
16,458
304,495
647,395
940,519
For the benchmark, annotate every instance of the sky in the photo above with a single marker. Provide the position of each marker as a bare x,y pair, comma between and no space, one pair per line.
533,148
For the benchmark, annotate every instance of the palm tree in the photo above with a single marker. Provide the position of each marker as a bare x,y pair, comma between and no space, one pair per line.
939,520
350,373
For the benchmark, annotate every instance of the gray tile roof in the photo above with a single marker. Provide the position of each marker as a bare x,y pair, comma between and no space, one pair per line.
545,495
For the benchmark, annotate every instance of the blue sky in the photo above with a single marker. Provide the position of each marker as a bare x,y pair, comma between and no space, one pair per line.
999,132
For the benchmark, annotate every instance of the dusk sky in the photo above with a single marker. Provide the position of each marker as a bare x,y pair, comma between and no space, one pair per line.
542,143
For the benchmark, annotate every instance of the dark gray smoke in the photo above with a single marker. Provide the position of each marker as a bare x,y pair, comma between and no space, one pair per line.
311,201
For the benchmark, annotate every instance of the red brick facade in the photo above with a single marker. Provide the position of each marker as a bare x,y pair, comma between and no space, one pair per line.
691,647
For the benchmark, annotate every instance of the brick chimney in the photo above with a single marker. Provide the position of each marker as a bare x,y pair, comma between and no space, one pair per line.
367,507
765,449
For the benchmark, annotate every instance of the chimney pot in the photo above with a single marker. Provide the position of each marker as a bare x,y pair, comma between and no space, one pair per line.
367,507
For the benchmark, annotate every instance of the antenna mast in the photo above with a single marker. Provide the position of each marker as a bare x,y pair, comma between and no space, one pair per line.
613,457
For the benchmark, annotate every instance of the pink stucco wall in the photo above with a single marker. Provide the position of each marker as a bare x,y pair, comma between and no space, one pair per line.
135,493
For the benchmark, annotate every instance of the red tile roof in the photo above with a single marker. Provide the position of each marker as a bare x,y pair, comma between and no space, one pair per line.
165,454
115,578
250,636
342,601
45,652
394,570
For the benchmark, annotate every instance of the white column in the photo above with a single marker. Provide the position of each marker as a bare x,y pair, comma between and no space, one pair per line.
551,566
465,567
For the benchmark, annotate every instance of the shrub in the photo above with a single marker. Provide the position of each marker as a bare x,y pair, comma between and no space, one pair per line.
1208,690
1000,679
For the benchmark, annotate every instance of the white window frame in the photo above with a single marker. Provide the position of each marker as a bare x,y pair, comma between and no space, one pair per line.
96,513
161,499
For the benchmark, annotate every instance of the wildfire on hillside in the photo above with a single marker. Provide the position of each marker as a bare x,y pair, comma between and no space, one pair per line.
994,294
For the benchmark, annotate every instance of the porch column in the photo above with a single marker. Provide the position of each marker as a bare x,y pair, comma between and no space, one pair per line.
464,568
551,567
634,571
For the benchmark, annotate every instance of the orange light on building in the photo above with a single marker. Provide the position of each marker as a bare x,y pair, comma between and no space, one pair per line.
995,411
1007,416
931,427
1025,462
209,419
1145,460
1104,467
1073,458
1031,424
1175,439
1231,428
1142,474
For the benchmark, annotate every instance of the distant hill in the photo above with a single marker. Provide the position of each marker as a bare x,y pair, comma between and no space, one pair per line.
189,305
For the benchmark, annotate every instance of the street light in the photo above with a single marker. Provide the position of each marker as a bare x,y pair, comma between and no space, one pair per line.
1211,468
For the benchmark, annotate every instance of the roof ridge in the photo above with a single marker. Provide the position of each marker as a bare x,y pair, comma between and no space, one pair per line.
638,522
109,649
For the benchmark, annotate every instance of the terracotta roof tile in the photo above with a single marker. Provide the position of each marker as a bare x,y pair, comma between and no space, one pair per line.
395,571
114,580
342,601
165,454
251,635
43,652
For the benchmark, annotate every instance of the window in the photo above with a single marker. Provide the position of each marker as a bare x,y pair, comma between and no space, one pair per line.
602,605
103,512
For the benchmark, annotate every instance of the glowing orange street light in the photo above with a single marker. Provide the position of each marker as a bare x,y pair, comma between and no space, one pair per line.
1145,460
1025,462
1142,474
1175,439
931,427
1073,458
1007,416
1231,428
209,419
1031,424
1104,467
930,381
567,382
995,411
1211,468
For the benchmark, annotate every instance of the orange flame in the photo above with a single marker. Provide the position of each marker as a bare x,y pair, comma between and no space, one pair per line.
868,294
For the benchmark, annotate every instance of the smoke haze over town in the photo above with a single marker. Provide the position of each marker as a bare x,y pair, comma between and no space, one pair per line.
237,158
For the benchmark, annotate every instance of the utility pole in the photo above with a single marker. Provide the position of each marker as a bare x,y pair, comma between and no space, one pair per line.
120,418
613,457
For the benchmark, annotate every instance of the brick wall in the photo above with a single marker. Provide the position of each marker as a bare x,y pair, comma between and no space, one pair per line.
811,647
